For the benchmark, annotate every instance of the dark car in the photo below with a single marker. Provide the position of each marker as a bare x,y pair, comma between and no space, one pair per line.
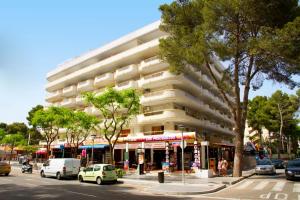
278,163
292,170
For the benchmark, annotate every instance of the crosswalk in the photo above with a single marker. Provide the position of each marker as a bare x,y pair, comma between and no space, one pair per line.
274,186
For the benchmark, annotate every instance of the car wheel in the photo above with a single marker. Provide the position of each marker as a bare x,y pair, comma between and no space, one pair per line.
30,171
99,181
6,174
43,174
116,181
80,179
23,171
58,176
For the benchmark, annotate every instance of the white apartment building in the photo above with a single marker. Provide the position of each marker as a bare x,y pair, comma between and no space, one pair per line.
191,99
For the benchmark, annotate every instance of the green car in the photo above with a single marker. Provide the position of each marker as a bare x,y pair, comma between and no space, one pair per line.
98,173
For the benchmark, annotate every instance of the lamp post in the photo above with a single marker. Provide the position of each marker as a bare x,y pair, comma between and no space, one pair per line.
93,136
181,127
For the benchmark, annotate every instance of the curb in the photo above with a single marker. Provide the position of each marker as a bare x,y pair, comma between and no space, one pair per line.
243,178
188,193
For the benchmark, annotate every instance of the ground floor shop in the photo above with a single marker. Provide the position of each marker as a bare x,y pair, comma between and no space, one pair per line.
164,152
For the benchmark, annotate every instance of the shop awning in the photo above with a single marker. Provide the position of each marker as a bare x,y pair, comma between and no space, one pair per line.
96,146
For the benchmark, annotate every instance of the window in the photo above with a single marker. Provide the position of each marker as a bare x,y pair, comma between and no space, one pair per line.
89,169
97,168
108,168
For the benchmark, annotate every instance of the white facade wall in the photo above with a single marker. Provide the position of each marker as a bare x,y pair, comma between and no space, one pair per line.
131,61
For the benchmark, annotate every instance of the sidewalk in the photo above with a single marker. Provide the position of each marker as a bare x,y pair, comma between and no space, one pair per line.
173,183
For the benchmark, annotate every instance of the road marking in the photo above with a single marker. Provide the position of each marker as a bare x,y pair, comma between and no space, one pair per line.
278,186
244,185
296,187
261,185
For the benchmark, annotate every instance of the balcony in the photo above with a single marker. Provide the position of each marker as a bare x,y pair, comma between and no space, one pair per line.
69,102
151,65
69,91
85,85
80,101
126,85
54,96
159,79
104,80
92,111
126,73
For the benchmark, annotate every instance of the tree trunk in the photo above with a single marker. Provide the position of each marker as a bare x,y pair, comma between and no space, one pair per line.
111,151
10,156
238,154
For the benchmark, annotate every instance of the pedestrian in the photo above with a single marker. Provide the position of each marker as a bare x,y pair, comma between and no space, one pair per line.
219,166
224,167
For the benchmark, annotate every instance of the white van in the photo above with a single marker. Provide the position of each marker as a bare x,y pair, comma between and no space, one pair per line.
61,167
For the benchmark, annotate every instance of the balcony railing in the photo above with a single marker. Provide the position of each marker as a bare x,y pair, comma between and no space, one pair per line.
127,72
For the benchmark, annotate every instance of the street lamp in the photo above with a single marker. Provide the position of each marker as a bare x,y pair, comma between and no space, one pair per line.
93,136
181,127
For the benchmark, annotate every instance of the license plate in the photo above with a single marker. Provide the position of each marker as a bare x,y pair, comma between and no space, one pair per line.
297,175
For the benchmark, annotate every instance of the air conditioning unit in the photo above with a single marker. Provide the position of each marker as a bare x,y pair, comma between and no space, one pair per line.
147,90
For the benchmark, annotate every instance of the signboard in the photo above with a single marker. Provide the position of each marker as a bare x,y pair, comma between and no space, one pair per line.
163,137
150,145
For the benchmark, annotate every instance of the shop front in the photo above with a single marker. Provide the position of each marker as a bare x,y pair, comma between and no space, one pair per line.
156,152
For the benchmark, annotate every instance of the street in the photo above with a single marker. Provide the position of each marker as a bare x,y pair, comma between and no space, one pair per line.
32,186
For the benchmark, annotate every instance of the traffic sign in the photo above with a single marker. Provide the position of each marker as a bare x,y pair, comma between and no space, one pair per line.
184,144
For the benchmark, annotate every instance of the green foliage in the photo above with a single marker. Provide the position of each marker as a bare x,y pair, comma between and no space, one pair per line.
116,109
259,39
17,127
49,121
78,126
120,172
31,113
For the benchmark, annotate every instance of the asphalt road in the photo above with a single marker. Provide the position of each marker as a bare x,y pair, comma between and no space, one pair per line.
260,187
32,186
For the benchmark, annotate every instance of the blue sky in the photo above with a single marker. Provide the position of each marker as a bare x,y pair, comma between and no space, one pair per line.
36,36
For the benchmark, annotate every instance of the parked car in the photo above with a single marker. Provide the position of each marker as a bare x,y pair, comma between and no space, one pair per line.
265,166
61,168
292,170
5,168
278,163
98,173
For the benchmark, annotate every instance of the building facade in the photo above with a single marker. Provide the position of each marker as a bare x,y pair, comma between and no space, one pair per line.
169,101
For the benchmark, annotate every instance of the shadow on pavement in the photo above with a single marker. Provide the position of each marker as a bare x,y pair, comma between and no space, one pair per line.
67,191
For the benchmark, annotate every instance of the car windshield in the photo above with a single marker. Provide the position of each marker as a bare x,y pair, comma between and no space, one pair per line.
108,168
264,162
294,164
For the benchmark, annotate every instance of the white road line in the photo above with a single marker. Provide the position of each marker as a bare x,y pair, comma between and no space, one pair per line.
278,186
298,196
244,185
261,185
296,187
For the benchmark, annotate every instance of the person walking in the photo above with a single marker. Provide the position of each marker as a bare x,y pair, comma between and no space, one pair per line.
219,166
224,167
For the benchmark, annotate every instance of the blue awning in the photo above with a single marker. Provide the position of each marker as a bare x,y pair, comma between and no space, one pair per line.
96,146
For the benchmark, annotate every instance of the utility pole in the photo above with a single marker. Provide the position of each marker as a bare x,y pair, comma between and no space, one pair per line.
280,130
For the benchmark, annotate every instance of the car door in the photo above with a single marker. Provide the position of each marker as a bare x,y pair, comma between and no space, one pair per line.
88,173
47,167
97,172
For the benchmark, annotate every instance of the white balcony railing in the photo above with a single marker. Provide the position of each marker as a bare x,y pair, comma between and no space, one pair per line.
127,84
86,85
104,79
158,79
69,102
54,96
69,91
152,64
80,100
126,73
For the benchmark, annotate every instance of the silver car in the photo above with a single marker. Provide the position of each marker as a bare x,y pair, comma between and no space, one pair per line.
265,166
